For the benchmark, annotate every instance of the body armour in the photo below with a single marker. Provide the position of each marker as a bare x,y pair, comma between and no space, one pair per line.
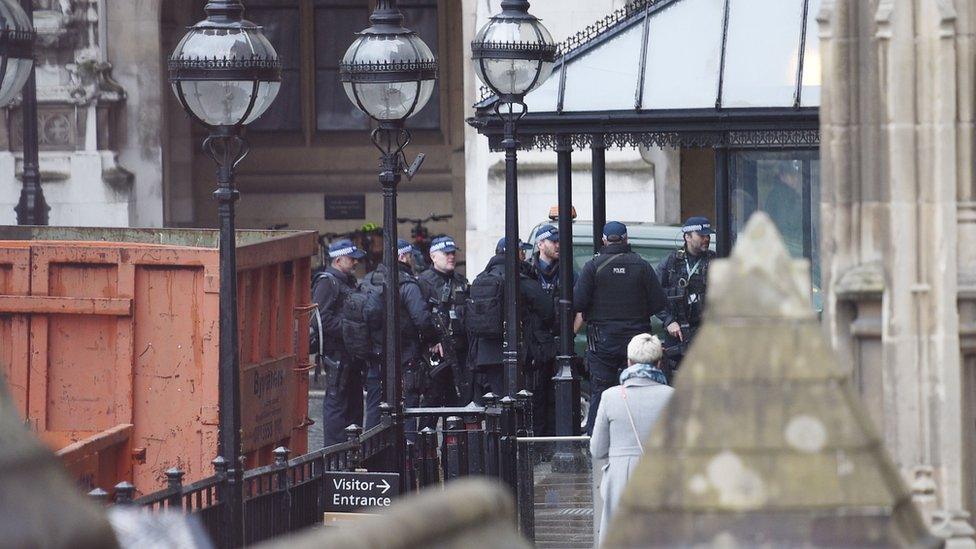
620,291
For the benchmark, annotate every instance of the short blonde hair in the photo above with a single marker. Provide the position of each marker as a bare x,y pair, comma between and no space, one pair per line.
644,349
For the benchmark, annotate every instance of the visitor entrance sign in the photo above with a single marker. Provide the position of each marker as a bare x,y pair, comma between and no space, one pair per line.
347,492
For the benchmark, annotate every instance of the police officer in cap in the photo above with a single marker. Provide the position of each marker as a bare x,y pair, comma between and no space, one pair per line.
446,290
417,336
542,339
684,275
485,320
343,401
617,292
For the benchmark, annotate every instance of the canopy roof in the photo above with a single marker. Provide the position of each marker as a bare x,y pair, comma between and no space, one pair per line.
679,68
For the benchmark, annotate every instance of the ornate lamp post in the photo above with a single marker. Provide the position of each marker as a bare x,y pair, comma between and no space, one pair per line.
16,74
513,55
388,73
226,74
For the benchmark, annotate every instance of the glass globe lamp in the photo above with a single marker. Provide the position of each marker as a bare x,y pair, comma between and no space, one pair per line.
513,53
388,72
224,71
16,50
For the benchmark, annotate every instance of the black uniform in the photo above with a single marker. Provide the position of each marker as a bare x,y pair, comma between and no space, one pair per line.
683,277
417,332
536,308
342,404
617,292
446,292
539,377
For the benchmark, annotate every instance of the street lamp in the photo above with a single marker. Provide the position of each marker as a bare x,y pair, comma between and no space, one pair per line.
513,55
388,73
226,74
16,74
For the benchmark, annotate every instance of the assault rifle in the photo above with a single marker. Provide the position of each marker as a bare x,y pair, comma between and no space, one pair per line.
441,317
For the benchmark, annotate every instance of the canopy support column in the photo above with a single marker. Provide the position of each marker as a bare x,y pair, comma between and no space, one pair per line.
567,387
599,173
723,206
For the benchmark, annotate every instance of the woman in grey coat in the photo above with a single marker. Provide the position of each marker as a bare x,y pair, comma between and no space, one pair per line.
625,417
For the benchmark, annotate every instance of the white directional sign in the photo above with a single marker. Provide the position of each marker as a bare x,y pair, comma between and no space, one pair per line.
347,492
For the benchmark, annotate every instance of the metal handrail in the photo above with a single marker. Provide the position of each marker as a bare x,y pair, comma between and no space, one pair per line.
583,438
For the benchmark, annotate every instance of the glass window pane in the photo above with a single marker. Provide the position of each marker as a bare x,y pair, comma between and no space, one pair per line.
785,185
334,32
605,78
280,22
334,110
810,96
762,53
281,26
285,114
429,118
422,18
684,50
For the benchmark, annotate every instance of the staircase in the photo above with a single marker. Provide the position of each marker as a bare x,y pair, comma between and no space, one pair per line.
563,504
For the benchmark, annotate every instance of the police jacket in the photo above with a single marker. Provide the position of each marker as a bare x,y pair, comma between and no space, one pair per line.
548,275
417,332
535,306
681,273
432,283
618,292
329,288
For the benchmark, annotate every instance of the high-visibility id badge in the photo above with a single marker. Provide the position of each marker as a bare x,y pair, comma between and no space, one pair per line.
453,314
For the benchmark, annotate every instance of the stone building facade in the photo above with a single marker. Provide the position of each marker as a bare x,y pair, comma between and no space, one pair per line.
118,150
899,234
898,198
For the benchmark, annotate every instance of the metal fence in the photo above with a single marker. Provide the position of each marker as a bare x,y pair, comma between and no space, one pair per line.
288,495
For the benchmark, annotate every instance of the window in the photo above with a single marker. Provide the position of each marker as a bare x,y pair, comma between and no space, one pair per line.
331,25
785,185
280,19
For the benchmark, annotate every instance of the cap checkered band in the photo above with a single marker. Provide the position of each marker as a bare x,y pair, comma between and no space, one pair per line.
546,234
441,245
609,236
694,228
342,251
404,250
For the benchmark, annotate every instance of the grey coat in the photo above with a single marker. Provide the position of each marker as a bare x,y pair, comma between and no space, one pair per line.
613,435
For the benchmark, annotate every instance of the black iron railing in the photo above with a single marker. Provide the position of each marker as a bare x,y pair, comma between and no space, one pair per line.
288,495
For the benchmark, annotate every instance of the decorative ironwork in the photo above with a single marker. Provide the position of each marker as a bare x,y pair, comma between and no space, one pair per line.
775,138
533,51
609,22
398,71
792,138
226,68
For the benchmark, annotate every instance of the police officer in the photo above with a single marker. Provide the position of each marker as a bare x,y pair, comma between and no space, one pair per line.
486,329
446,290
683,276
545,266
617,292
342,405
417,336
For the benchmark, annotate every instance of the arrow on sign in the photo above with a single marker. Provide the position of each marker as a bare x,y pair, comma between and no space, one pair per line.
385,486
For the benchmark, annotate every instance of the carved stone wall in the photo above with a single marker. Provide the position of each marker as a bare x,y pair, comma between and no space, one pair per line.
899,233
79,110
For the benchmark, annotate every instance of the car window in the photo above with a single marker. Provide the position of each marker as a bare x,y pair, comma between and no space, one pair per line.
653,254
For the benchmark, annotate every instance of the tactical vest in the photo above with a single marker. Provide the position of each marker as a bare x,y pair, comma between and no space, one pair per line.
689,291
620,290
